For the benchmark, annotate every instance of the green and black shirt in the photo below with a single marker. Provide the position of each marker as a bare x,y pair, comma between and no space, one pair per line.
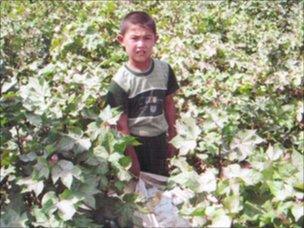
142,96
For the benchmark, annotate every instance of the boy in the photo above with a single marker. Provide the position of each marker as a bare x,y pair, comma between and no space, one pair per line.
143,88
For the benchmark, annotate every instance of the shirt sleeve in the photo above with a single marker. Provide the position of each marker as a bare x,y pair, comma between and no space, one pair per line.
172,85
117,97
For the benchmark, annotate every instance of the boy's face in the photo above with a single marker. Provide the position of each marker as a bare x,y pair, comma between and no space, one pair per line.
138,42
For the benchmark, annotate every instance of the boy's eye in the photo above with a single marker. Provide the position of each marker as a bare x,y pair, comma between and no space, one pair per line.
137,38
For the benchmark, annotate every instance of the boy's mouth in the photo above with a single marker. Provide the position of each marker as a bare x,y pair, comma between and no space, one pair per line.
141,52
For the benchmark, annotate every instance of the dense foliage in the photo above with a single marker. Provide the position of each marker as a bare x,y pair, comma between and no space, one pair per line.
240,128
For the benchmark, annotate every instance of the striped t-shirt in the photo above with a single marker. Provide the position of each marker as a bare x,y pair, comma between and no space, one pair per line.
142,96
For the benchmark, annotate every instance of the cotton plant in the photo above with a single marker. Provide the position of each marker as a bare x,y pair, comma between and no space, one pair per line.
187,135
240,104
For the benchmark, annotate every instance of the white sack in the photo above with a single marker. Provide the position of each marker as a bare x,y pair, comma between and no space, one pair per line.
161,203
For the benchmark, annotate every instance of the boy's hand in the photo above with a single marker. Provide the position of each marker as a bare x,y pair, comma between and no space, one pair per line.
122,126
172,151
135,168
170,114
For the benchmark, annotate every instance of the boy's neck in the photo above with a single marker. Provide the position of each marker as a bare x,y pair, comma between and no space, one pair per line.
139,66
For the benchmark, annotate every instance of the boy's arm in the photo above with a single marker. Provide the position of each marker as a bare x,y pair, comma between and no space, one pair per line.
170,114
117,97
122,126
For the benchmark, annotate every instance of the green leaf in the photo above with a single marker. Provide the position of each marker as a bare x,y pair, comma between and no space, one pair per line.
119,185
198,212
83,221
188,132
85,191
249,176
252,211
297,211
121,145
207,181
36,95
104,183
101,152
233,203
28,157
67,209
215,119
183,144
190,180
130,197
31,185
274,153
82,145
4,172
10,218
108,141
243,144
67,179
66,143
218,217
125,162
48,202
299,186
122,173
114,158
49,196
298,162
65,170
34,119
6,86
42,169
74,142
181,163
94,129
45,220
109,115
187,127
280,190
300,111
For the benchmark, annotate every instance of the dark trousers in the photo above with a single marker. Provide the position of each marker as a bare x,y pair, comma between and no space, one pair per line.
152,154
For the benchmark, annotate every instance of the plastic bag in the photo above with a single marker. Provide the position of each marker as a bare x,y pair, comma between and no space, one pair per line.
161,203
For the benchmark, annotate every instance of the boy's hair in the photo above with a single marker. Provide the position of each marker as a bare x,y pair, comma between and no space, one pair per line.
137,18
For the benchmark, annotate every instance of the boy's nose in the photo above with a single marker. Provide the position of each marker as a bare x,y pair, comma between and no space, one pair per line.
140,43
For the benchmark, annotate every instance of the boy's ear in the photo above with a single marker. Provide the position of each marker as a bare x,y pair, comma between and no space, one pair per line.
156,38
120,38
